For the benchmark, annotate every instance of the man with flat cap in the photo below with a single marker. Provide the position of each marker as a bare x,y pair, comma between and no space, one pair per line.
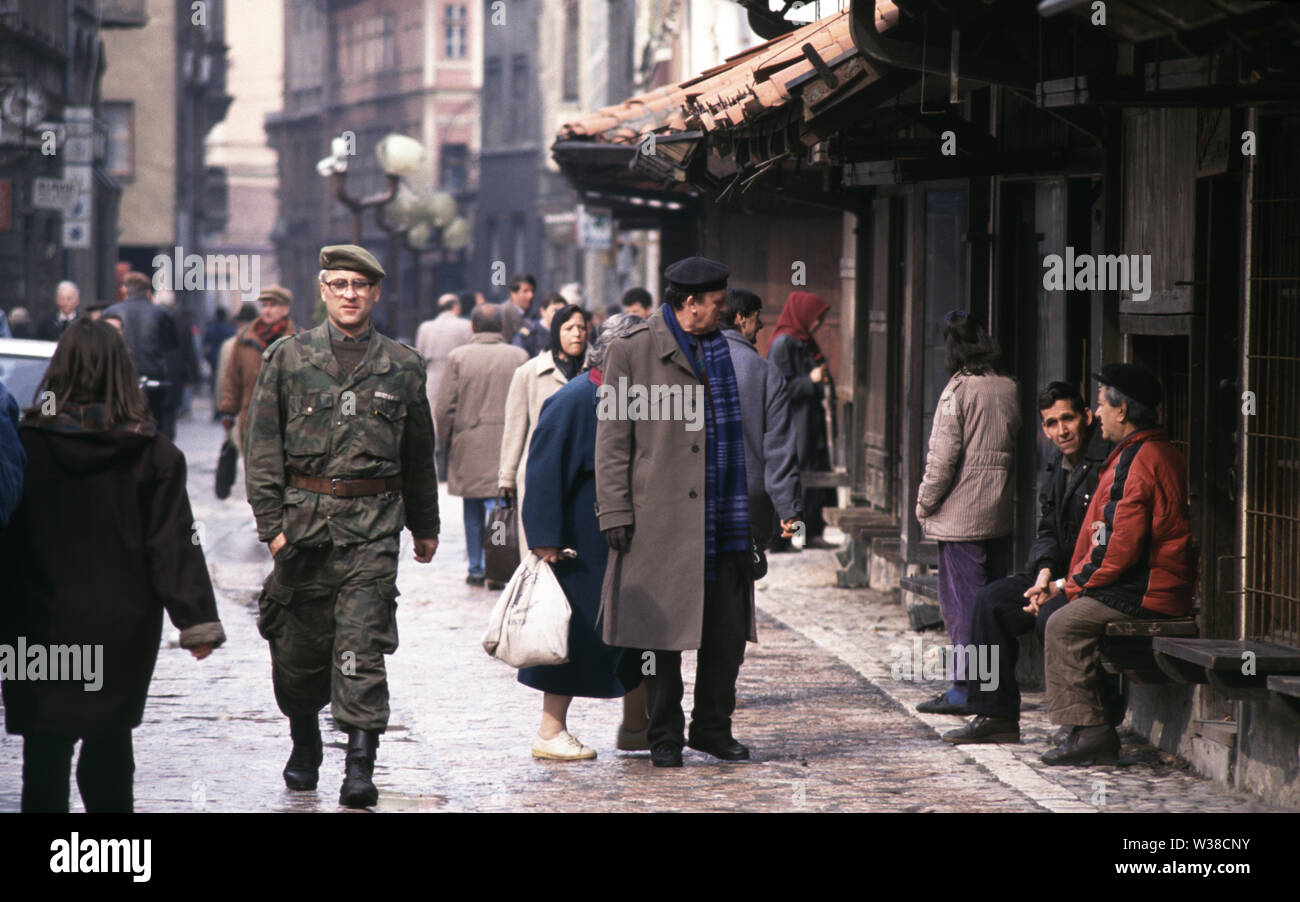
672,500
1132,560
340,458
251,341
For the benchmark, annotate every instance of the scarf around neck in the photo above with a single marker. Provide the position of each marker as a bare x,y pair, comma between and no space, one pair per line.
263,334
726,492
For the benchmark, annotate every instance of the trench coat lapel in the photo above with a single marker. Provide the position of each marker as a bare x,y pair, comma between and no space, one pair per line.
666,346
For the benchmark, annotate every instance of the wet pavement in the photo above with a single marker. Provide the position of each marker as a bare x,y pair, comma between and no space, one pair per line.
828,726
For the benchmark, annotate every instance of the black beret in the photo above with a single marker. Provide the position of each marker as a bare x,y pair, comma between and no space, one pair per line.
698,275
1133,381
351,257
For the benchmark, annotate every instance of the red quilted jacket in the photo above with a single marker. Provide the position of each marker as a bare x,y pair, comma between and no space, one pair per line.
1134,551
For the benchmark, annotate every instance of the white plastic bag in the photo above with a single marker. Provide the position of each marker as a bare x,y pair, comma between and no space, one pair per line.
529,626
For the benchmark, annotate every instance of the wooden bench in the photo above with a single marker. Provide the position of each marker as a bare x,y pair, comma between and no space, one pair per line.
1220,662
1288,688
1126,646
860,525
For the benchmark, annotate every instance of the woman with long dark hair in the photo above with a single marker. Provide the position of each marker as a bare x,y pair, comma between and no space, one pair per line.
967,492
797,355
102,543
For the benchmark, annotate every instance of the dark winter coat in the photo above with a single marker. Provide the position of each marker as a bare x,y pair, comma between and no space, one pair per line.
559,512
807,413
13,460
1063,498
150,333
103,542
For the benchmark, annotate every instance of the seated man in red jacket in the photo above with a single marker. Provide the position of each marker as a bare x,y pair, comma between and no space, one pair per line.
1132,560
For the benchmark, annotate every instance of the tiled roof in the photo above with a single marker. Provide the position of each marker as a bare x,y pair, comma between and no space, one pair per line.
741,89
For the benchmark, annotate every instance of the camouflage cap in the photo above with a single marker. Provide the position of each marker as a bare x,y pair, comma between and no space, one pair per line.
277,293
352,257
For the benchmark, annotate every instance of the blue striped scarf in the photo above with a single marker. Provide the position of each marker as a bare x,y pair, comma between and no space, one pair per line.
726,493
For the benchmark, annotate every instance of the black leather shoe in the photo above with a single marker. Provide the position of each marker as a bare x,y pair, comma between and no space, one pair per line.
1087,745
940,705
666,754
303,768
358,786
473,580
725,748
495,585
983,728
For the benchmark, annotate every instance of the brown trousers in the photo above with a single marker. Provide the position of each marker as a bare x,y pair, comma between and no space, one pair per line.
1073,665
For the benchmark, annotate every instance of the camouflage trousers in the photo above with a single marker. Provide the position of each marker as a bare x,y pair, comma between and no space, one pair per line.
330,614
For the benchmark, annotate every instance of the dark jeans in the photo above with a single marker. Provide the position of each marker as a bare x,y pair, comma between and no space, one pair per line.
163,415
722,650
105,771
998,620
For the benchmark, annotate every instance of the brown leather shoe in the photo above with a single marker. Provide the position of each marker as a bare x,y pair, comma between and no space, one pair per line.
1087,745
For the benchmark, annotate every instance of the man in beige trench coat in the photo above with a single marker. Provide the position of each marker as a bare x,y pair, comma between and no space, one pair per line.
654,495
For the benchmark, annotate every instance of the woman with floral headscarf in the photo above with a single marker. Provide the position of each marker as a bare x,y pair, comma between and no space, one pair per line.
801,361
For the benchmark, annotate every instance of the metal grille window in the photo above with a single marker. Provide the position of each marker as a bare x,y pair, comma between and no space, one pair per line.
1272,576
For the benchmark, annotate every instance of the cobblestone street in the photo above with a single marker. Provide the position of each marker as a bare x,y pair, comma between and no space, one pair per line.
829,729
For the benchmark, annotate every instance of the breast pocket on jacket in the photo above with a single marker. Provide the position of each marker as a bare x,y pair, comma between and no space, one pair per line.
388,417
307,427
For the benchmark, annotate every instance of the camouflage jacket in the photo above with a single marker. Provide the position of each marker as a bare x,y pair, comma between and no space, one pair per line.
307,418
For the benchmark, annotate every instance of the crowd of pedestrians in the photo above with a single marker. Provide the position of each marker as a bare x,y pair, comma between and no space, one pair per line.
656,526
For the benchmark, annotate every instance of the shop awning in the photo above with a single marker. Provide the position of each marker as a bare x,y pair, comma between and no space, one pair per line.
740,117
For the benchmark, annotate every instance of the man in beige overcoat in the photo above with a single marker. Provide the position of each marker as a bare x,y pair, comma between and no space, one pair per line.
470,417
670,495
435,339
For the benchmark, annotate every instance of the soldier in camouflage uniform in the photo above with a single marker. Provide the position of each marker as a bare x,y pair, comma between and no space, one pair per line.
340,458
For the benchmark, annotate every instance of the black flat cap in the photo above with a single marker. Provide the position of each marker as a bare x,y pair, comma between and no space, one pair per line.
1132,380
698,275
351,257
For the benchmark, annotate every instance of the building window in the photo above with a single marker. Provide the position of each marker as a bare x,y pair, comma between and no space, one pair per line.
120,156
453,167
455,31
571,24
519,95
492,102
369,46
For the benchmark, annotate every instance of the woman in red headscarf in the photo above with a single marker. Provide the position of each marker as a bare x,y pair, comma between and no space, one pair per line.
801,361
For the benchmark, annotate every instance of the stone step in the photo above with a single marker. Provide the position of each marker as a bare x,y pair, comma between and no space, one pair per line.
921,596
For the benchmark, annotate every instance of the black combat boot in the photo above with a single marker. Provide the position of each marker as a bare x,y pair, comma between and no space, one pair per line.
358,788
303,769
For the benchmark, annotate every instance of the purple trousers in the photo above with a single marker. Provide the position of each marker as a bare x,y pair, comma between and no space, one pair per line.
964,569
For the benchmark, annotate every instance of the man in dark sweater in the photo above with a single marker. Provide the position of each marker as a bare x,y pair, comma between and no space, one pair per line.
1002,613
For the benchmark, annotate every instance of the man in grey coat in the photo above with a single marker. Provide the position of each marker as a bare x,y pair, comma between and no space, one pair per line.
470,417
672,501
771,462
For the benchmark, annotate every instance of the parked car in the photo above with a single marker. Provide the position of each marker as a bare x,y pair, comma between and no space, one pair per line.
23,362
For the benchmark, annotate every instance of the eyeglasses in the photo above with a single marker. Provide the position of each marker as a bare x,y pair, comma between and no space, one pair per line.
360,286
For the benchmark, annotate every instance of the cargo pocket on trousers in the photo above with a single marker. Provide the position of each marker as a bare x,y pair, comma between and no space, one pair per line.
271,607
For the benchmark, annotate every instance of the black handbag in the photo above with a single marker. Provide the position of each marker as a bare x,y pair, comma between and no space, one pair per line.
501,543
226,463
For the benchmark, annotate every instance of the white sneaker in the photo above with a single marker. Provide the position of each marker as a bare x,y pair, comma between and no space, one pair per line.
561,747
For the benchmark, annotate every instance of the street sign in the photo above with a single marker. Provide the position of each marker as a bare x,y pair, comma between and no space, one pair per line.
595,229
76,234
55,194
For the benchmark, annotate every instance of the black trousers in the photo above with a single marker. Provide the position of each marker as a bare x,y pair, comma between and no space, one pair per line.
105,772
164,416
998,620
722,651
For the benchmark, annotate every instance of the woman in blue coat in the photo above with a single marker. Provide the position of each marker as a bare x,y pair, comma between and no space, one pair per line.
559,512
